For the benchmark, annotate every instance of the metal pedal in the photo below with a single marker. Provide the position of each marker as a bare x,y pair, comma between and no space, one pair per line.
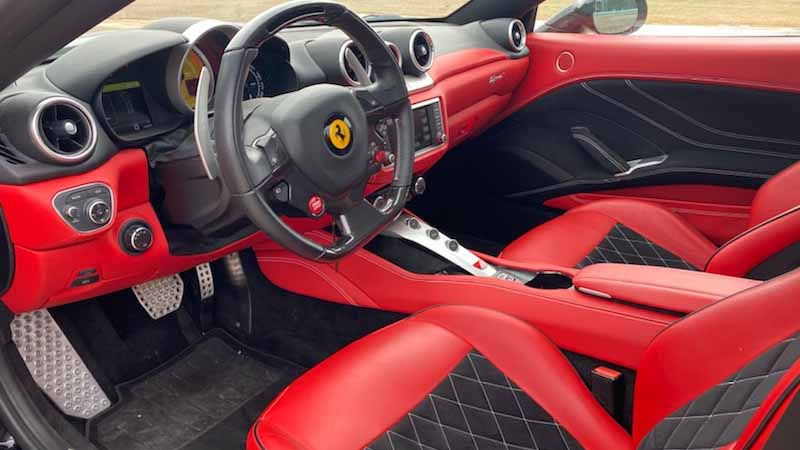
205,279
56,367
160,297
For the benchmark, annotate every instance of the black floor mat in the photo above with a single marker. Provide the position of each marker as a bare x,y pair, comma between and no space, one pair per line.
206,398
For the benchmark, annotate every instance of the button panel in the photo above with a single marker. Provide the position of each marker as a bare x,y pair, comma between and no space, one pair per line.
86,208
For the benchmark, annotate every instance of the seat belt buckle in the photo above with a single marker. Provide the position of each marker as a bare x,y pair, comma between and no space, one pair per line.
608,388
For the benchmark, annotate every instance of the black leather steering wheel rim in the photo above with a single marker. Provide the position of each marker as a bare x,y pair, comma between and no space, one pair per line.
247,175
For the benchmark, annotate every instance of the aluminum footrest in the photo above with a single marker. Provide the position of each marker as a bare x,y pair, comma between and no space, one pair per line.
56,367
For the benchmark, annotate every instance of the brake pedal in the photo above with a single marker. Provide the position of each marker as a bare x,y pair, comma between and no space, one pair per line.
205,279
160,297
56,367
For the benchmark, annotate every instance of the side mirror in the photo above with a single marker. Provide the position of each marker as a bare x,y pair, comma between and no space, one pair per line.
599,16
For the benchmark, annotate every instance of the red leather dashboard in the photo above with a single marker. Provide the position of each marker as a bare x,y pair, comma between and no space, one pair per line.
49,254
470,99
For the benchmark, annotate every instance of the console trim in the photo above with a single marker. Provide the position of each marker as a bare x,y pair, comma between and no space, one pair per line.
112,206
423,104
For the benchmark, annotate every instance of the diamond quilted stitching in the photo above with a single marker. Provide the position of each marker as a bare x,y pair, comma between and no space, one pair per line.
718,417
476,408
624,246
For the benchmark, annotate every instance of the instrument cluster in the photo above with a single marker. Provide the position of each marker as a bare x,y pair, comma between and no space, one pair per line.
156,94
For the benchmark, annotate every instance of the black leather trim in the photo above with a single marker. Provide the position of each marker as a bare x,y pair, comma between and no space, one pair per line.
720,415
6,256
761,426
680,136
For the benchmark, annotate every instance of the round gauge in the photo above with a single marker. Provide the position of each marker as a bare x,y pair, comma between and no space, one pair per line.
193,63
254,86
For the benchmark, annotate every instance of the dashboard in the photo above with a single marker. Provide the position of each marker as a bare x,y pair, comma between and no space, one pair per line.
97,144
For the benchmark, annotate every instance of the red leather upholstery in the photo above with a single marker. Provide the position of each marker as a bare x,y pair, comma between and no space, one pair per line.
707,347
682,291
567,239
740,255
774,224
780,193
352,398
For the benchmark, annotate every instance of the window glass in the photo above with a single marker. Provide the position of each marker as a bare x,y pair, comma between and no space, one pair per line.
710,17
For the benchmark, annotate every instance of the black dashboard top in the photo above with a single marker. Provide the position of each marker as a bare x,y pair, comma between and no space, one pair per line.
132,86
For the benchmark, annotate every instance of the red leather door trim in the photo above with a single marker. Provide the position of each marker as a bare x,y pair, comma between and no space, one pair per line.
719,212
764,63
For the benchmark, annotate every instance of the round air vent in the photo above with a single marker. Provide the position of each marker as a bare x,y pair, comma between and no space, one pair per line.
63,130
398,55
421,50
347,70
516,35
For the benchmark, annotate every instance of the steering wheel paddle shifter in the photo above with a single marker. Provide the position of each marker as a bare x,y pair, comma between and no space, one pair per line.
315,148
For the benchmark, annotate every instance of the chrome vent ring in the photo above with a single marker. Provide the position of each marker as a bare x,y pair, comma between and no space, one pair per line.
421,50
516,35
63,130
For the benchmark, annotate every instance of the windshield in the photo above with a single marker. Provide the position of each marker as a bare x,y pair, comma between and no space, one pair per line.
141,12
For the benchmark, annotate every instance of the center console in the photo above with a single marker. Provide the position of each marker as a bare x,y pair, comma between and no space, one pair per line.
414,229
428,126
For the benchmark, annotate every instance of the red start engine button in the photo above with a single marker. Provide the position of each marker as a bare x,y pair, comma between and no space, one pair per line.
316,206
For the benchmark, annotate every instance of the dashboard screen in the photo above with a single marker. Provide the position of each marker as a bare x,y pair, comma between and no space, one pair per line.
125,107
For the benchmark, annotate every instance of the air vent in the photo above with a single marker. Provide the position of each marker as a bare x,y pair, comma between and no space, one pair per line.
347,69
421,50
8,154
398,55
64,130
517,35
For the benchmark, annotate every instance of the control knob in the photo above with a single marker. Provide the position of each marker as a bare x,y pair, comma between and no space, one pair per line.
137,238
98,212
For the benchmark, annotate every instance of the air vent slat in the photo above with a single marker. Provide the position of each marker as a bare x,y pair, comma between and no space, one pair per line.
64,130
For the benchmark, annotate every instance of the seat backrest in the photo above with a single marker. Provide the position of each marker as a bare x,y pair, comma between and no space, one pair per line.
771,244
779,194
710,380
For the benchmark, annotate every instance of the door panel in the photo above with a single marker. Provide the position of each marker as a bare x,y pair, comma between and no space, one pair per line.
719,212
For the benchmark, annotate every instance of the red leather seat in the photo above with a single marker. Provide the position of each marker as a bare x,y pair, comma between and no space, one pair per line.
461,377
637,232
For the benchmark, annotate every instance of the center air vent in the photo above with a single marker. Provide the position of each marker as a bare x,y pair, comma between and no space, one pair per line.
347,69
64,130
421,51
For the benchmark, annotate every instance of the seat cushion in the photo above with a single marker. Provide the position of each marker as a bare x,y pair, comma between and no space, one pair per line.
615,231
437,381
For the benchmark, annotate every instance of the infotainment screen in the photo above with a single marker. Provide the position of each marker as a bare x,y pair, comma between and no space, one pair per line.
125,107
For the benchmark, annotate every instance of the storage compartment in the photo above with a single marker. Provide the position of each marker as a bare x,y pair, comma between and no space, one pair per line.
661,288
550,280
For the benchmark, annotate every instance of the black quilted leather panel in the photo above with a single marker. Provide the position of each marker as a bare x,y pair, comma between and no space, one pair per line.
719,416
476,408
625,246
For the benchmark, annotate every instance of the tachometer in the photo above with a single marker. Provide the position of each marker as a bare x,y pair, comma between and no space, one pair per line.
193,63
254,86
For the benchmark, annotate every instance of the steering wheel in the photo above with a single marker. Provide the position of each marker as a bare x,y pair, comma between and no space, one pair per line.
315,148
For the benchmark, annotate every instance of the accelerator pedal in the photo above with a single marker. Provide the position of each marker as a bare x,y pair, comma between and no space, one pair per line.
205,279
56,367
160,297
